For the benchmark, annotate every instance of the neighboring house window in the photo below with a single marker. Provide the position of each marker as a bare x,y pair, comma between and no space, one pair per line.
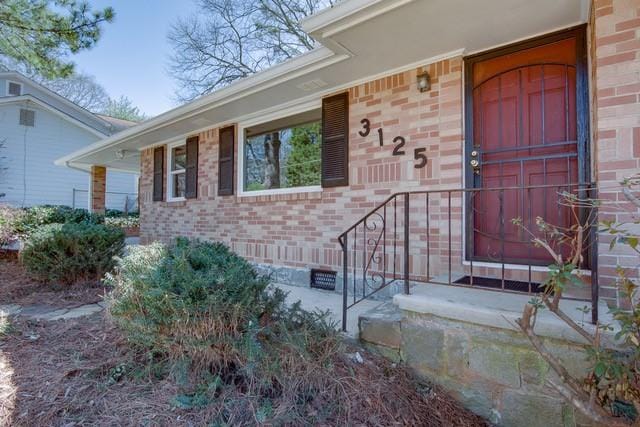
283,154
177,171
27,117
14,89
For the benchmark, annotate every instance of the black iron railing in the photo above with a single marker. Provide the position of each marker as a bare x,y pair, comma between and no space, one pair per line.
478,238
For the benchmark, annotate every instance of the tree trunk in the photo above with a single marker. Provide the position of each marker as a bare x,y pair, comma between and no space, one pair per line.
272,159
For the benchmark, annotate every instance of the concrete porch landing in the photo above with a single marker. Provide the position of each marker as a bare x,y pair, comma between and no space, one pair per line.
312,299
499,310
467,341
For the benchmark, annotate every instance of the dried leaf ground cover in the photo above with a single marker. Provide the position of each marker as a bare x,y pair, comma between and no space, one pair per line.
85,372
17,287
81,372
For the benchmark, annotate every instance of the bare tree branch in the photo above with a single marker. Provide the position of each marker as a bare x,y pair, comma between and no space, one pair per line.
231,39
81,89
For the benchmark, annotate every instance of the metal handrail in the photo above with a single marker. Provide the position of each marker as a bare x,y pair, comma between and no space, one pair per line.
465,190
377,222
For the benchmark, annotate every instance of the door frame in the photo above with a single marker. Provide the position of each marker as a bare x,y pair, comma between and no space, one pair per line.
582,111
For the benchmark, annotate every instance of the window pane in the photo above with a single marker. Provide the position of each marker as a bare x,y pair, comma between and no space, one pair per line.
178,157
285,158
179,184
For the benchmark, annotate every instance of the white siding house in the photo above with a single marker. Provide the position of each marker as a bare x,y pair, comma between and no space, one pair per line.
36,127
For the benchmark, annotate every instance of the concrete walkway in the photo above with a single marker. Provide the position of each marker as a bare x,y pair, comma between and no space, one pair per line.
48,313
312,299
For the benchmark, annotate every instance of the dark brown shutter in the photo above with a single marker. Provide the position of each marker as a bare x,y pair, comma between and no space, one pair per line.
158,174
191,170
335,140
225,161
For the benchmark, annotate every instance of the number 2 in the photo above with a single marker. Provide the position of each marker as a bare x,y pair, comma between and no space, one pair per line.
366,127
397,149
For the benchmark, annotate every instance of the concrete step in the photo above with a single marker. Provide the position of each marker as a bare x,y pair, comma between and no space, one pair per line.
380,329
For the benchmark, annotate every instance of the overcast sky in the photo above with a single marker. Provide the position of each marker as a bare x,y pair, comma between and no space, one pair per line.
132,55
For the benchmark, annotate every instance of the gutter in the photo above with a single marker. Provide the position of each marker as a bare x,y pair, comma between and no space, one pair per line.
345,15
27,98
309,61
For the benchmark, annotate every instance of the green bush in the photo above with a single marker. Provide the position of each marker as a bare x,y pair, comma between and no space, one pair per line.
9,217
70,253
116,213
222,328
123,221
37,216
20,223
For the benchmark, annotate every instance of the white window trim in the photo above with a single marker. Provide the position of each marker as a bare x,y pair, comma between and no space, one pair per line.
170,173
7,82
302,108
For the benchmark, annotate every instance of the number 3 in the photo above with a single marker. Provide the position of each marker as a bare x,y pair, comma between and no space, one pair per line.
366,127
418,154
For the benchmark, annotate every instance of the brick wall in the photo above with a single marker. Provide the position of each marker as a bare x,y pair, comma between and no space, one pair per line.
616,121
300,230
97,188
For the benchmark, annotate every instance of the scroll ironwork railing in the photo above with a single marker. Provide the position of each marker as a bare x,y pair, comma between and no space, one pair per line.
478,238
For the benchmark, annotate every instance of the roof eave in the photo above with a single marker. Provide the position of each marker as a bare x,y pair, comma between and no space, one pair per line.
81,110
43,104
346,14
250,84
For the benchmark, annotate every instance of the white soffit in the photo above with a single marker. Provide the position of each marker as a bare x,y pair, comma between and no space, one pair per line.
403,31
362,39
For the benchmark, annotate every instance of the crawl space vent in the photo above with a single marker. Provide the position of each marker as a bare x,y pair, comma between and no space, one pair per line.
323,279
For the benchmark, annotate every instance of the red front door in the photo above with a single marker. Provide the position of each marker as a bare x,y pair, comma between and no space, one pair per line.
525,142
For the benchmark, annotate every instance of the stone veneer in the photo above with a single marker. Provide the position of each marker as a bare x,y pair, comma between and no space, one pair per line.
493,371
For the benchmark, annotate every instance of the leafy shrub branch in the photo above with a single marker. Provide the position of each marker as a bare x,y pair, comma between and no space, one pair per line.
610,392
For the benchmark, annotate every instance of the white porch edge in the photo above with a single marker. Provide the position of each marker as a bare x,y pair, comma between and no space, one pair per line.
499,310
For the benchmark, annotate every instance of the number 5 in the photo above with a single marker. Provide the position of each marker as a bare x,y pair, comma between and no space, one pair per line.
418,154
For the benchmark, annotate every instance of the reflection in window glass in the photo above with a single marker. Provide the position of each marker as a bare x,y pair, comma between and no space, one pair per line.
179,185
284,158
179,158
177,178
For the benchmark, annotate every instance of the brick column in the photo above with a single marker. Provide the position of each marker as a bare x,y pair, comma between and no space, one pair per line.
616,64
97,189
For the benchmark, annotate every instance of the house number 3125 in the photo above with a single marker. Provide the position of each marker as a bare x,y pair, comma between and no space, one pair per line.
399,141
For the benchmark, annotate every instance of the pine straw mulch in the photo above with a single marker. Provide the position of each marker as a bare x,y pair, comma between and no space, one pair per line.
57,374
17,287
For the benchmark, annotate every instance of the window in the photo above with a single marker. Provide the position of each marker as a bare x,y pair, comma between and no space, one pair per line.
283,154
176,184
14,89
27,117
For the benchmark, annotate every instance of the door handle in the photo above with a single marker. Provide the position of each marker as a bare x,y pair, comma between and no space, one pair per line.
475,163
